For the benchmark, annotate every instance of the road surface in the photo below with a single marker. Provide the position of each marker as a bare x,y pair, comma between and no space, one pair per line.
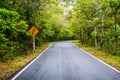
64,61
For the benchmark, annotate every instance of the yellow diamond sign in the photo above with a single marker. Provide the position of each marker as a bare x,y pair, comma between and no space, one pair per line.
33,31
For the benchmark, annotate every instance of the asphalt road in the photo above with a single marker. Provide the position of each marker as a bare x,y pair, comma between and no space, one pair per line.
63,61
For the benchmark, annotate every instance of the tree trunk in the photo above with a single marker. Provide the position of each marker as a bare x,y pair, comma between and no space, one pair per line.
102,29
116,36
95,38
81,36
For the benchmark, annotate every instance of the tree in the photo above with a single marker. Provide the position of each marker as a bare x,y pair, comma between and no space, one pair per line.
98,21
10,31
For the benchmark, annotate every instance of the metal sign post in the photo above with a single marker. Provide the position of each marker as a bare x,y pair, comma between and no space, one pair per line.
33,44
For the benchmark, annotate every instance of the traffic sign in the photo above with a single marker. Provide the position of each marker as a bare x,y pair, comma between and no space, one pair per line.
33,31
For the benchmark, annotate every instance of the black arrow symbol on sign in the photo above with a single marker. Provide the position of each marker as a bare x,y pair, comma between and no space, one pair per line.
33,31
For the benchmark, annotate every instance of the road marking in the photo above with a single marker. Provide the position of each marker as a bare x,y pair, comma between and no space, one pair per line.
98,59
30,63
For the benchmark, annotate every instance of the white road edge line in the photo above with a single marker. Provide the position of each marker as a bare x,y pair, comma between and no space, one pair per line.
30,63
98,59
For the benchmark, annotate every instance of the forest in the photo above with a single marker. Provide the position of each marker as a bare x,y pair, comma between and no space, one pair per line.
94,22
18,16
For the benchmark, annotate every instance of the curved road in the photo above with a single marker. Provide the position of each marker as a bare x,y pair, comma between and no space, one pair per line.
64,61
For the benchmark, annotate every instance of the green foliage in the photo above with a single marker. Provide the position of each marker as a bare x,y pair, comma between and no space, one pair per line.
11,28
93,33
98,23
17,17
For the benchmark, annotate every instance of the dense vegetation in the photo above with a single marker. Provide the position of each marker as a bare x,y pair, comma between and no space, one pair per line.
93,22
98,24
18,16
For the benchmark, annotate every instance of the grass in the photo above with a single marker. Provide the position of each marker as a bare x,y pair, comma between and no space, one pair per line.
11,66
112,60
